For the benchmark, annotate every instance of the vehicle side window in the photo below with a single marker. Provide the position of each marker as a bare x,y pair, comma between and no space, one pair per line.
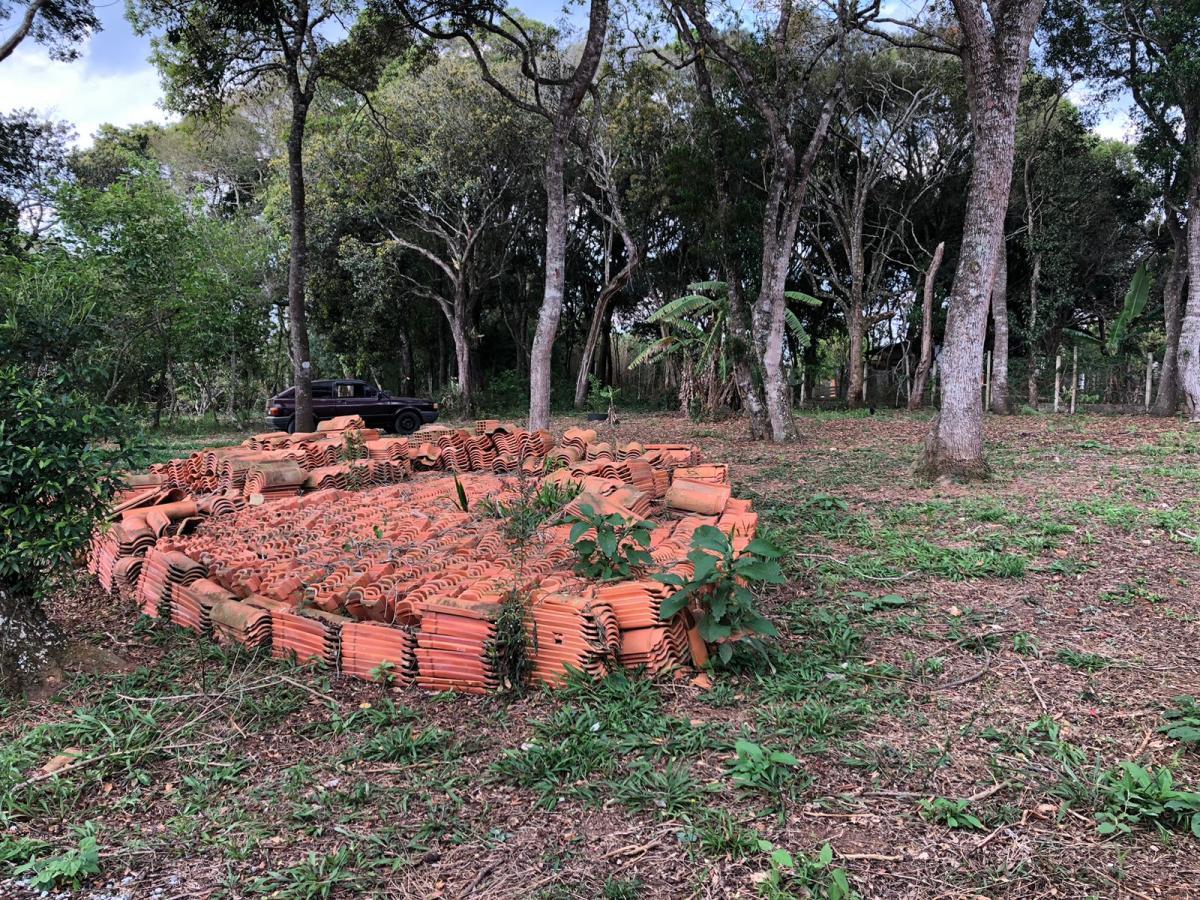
369,391
345,390
322,392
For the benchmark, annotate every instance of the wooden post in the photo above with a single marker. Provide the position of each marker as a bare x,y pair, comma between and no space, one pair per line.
803,384
864,387
1074,376
1057,379
987,382
1149,379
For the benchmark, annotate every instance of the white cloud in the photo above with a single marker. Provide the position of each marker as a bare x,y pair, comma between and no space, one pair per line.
60,90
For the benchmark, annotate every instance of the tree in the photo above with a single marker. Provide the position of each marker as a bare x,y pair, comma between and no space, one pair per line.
866,192
439,172
553,89
33,157
209,52
779,79
994,51
59,25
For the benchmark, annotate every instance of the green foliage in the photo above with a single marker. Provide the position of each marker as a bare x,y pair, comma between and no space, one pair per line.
1183,721
951,813
460,495
1133,796
535,503
724,587
511,649
1088,662
616,549
60,458
69,869
762,770
812,875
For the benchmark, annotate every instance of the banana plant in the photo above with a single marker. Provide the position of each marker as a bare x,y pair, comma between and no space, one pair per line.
1122,325
697,326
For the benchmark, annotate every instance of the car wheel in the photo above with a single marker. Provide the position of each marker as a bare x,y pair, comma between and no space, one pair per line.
291,429
407,422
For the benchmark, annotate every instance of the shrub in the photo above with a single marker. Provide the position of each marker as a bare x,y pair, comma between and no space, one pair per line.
617,550
723,585
60,457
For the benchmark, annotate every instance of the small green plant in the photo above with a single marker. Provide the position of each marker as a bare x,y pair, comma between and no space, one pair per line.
951,813
813,875
618,548
722,582
511,649
602,398
1183,721
534,504
460,494
1134,796
1025,644
761,770
67,870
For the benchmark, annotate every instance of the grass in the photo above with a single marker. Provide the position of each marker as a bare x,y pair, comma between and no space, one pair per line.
949,656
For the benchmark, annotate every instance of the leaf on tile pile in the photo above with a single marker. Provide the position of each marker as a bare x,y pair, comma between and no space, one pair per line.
262,545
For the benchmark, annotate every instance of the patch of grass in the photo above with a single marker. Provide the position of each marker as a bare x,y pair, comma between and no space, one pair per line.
405,744
1087,662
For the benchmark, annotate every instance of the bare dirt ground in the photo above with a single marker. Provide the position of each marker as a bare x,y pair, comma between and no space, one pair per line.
962,672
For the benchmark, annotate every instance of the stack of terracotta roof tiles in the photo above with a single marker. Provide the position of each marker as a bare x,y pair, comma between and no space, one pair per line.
392,578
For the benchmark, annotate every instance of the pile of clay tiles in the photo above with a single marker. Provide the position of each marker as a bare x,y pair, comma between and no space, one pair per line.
392,579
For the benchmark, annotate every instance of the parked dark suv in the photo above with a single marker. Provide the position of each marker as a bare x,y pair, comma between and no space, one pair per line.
350,397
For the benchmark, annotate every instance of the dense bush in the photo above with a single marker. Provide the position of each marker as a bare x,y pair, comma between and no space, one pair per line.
60,455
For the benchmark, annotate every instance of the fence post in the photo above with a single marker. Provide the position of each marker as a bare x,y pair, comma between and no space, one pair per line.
803,384
1057,378
1074,376
866,373
1149,379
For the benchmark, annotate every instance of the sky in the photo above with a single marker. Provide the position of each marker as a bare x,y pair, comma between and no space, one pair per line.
113,82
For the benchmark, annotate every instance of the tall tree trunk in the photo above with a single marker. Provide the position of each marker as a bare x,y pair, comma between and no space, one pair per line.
462,358
407,372
542,352
854,325
749,389
996,48
1189,332
601,316
916,399
1035,279
1000,333
1166,402
297,264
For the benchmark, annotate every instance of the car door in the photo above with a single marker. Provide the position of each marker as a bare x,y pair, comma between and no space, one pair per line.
324,403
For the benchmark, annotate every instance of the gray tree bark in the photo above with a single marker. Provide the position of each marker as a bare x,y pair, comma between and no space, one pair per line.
1166,401
994,54
1000,403
563,120
916,398
1189,332
297,262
